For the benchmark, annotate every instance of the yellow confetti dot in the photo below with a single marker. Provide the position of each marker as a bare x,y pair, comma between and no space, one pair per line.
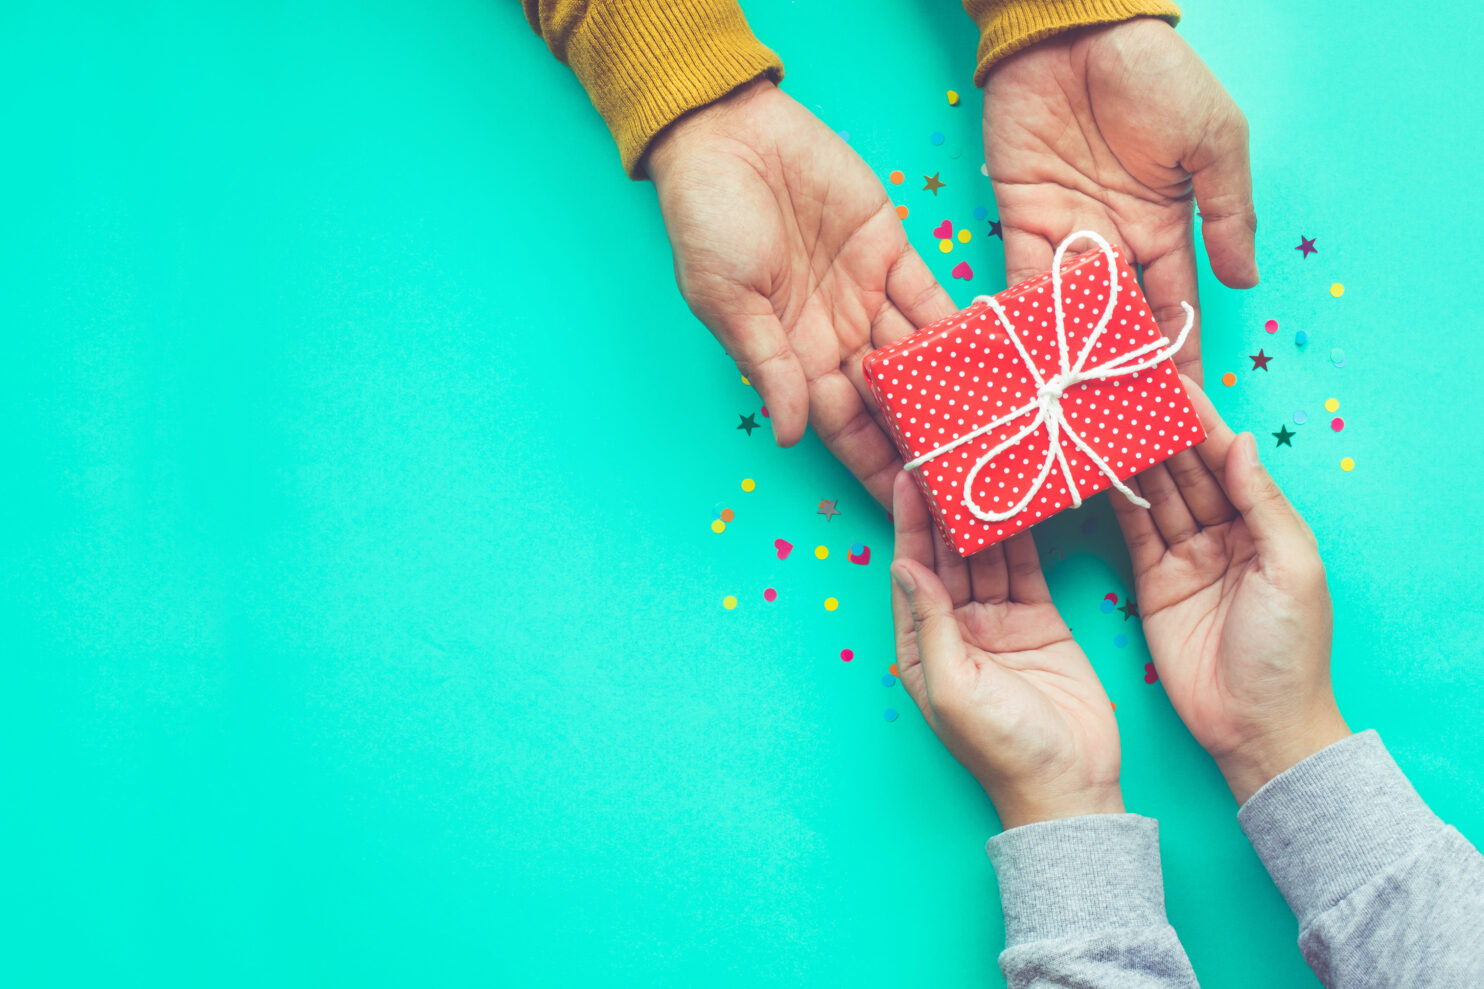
1331,405
896,178
1228,379
1337,290
952,98
902,212
820,552
830,604
1347,464
945,245
748,484
717,525
963,236
746,382
729,602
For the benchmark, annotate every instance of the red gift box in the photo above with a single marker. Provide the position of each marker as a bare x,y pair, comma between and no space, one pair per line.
1032,400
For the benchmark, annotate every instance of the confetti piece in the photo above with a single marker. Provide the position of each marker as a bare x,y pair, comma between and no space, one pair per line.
888,681
902,212
1111,598
770,595
1107,607
718,526
964,236
944,229
962,270
890,714
984,169
933,184
746,382
892,669
821,552
1337,357
981,213
784,547
1337,290
859,553
1228,379
1300,417
830,604
945,245
1150,675
763,411
952,98
937,137
1347,465
1089,527
1331,405
748,484
727,515
828,509
847,654
1120,641
1337,424
729,602
1271,326
1301,338
896,178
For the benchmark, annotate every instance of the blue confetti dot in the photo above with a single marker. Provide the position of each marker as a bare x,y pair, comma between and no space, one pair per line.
937,137
888,681
890,714
980,212
856,549
1107,606
1120,641
1089,527
1301,417
1301,338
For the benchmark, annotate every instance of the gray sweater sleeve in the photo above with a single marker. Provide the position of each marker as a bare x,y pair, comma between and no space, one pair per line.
1385,893
1085,905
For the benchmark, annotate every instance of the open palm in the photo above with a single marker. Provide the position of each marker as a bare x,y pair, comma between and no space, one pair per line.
1116,129
787,247
994,670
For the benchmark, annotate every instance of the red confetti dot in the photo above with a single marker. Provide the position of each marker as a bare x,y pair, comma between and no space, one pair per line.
847,655
770,594
1337,424
1271,326
765,412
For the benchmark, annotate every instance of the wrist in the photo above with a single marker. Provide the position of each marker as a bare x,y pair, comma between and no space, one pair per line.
699,127
1250,765
1017,809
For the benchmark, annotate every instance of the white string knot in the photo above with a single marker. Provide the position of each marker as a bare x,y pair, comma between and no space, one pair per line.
1046,406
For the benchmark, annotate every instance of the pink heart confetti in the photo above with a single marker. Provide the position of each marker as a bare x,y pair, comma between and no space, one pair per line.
944,230
962,270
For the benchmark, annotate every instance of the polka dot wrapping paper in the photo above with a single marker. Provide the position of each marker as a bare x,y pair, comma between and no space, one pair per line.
954,376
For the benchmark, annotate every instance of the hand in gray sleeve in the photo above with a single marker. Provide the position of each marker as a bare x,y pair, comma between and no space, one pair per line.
1085,905
1385,893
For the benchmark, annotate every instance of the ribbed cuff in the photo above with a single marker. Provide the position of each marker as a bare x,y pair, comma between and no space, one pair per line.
646,64
1007,26
1328,825
1078,875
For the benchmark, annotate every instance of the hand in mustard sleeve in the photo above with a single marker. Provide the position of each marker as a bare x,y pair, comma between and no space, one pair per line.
1116,129
787,247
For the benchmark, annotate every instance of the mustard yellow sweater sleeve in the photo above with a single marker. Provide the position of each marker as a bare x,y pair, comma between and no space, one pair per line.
644,64
1007,26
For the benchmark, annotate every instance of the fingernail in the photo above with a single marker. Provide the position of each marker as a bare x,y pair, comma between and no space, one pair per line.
903,577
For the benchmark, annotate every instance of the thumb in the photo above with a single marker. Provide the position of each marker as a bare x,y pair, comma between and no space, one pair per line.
939,642
1221,175
1276,528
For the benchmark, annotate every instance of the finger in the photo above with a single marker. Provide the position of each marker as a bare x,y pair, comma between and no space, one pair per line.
1171,515
1219,436
953,570
763,353
989,576
1027,254
1023,561
1200,489
939,643
1145,545
1221,174
1278,531
845,425
1169,280
913,541
915,296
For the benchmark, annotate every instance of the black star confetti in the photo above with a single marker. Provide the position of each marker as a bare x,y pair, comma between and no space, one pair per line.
1285,436
748,423
1259,360
1306,244
994,229
1129,609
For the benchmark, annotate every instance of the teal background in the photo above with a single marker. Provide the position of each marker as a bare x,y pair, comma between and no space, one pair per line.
362,615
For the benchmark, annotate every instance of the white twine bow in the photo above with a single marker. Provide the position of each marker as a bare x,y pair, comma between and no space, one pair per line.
1049,391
